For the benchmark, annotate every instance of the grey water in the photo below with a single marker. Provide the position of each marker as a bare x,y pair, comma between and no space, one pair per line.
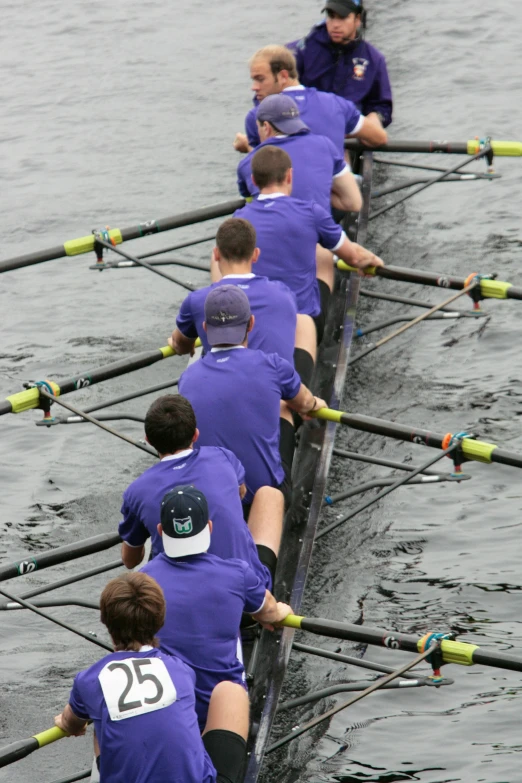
118,113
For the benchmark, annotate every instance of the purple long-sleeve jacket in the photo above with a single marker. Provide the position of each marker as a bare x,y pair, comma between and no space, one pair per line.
356,71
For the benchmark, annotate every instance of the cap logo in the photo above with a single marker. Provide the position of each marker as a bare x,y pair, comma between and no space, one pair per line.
183,527
223,317
290,112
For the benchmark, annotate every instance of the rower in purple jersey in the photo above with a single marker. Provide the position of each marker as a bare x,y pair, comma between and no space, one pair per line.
205,596
321,173
170,426
142,701
272,303
288,231
236,393
273,70
335,58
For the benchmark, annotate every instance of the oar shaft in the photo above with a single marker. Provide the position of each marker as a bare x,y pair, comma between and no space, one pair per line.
22,748
490,289
440,177
471,147
414,322
145,265
374,686
55,620
85,244
452,652
476,450
26,400
100,424
62,554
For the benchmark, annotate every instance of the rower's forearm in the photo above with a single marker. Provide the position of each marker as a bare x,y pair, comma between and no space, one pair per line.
69,722
348,252
269,612
303,402
132,555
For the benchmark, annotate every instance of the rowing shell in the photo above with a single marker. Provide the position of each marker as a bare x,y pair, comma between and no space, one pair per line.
310,474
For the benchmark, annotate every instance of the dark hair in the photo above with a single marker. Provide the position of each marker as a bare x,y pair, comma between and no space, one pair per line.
170,424
132,607
269,166
236,239
279,59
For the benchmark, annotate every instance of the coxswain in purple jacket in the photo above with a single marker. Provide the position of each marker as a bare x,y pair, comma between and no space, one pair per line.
333,57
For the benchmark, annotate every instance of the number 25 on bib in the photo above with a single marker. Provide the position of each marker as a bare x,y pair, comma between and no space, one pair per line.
135,686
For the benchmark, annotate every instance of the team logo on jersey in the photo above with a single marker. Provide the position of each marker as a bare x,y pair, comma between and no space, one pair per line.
183,527
359,68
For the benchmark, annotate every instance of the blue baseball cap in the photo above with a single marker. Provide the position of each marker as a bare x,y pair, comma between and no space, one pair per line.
344,7
282,112
227,313
184,519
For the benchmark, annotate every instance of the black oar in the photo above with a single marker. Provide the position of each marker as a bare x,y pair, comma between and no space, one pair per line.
298,730
144,264
62,554
98,423
489,288
471,449
89,637
86,244
452,652
22,748
482,153
25,400
501,148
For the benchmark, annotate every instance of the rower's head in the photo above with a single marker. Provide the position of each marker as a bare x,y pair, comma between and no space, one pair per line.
279,114
272,170
132,606
236,246
343,20
272,68
185,527
170,424
228,318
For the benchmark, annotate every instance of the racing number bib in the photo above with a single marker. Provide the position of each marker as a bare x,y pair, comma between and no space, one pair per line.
135,686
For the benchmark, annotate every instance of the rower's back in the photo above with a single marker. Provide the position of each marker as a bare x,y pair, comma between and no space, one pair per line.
236,394
271,301
205,598
315,160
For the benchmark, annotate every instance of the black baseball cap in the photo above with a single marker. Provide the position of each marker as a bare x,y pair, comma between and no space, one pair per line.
344,7
184,519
